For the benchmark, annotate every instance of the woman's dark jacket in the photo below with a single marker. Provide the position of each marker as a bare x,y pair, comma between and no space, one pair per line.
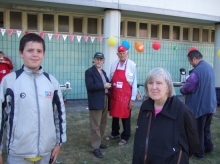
173,129
95,88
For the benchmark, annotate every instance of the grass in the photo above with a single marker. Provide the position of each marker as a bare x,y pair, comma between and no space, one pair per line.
77,150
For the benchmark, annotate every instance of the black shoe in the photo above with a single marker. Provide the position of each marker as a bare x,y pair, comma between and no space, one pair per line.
198,157
209,150
98,153
103,146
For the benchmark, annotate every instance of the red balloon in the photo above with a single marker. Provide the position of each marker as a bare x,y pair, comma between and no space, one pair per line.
156,45
191,49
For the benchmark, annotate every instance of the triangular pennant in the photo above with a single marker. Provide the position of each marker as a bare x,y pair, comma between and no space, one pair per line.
64,37
86,38
50,36
42,35
18,33
57,36
71,37
100,39
10,32
78,38
92,39
3,31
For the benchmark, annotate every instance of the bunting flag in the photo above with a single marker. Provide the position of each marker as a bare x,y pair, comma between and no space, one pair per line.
86,38
92,39
78,38
57,36
42,35
100,39
71,37
2,31
10,32
18,33
64,37
50,36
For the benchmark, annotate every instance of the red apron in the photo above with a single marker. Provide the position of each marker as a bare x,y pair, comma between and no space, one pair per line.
120,95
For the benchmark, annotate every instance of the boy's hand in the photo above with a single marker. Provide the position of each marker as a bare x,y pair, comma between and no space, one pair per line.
55,153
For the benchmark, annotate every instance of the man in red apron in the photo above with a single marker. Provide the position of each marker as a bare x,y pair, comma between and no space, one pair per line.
123,94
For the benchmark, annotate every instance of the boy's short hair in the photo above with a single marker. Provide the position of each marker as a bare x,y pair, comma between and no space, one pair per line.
31,37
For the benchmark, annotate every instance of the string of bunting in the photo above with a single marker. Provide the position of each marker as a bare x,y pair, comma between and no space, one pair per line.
57,36
111,40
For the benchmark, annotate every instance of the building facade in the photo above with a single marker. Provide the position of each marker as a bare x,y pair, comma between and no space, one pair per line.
74,30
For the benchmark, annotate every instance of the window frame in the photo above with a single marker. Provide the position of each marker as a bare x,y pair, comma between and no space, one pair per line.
53,22
147,29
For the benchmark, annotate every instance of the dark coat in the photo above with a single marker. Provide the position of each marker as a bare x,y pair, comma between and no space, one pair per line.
95,88
173,129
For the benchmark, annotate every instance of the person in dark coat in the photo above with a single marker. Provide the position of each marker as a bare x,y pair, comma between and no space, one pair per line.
97,85
166,131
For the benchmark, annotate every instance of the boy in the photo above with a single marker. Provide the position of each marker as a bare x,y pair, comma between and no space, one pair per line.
33,111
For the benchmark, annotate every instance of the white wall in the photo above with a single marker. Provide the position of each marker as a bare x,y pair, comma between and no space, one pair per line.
207,7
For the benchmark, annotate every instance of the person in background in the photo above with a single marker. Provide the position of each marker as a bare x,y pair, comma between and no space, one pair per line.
5,65
166,129
32,107
200,94
97,85
122,95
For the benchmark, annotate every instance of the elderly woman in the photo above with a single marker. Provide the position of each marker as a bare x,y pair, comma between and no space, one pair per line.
166,129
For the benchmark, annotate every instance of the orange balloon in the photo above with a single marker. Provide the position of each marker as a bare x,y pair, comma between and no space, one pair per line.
139,47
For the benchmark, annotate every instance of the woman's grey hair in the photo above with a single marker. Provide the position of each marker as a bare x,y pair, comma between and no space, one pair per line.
160,72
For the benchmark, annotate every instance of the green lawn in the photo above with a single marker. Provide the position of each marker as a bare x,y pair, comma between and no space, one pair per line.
78,150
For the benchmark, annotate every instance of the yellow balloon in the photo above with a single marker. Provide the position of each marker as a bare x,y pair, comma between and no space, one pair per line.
219,53
112,41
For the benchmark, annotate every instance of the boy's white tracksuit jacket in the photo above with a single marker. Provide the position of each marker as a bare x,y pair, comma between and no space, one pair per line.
32,112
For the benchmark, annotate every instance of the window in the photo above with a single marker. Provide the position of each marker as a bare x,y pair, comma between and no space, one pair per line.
154,31
102,28
1,19
165,31
63,23
213,36
185,33
15,20
131,29
77,25
32,22
92,25
205,34
143,30
48,22
195,34
121,29
176,32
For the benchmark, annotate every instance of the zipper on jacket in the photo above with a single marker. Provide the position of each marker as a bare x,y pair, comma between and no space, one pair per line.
38,108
